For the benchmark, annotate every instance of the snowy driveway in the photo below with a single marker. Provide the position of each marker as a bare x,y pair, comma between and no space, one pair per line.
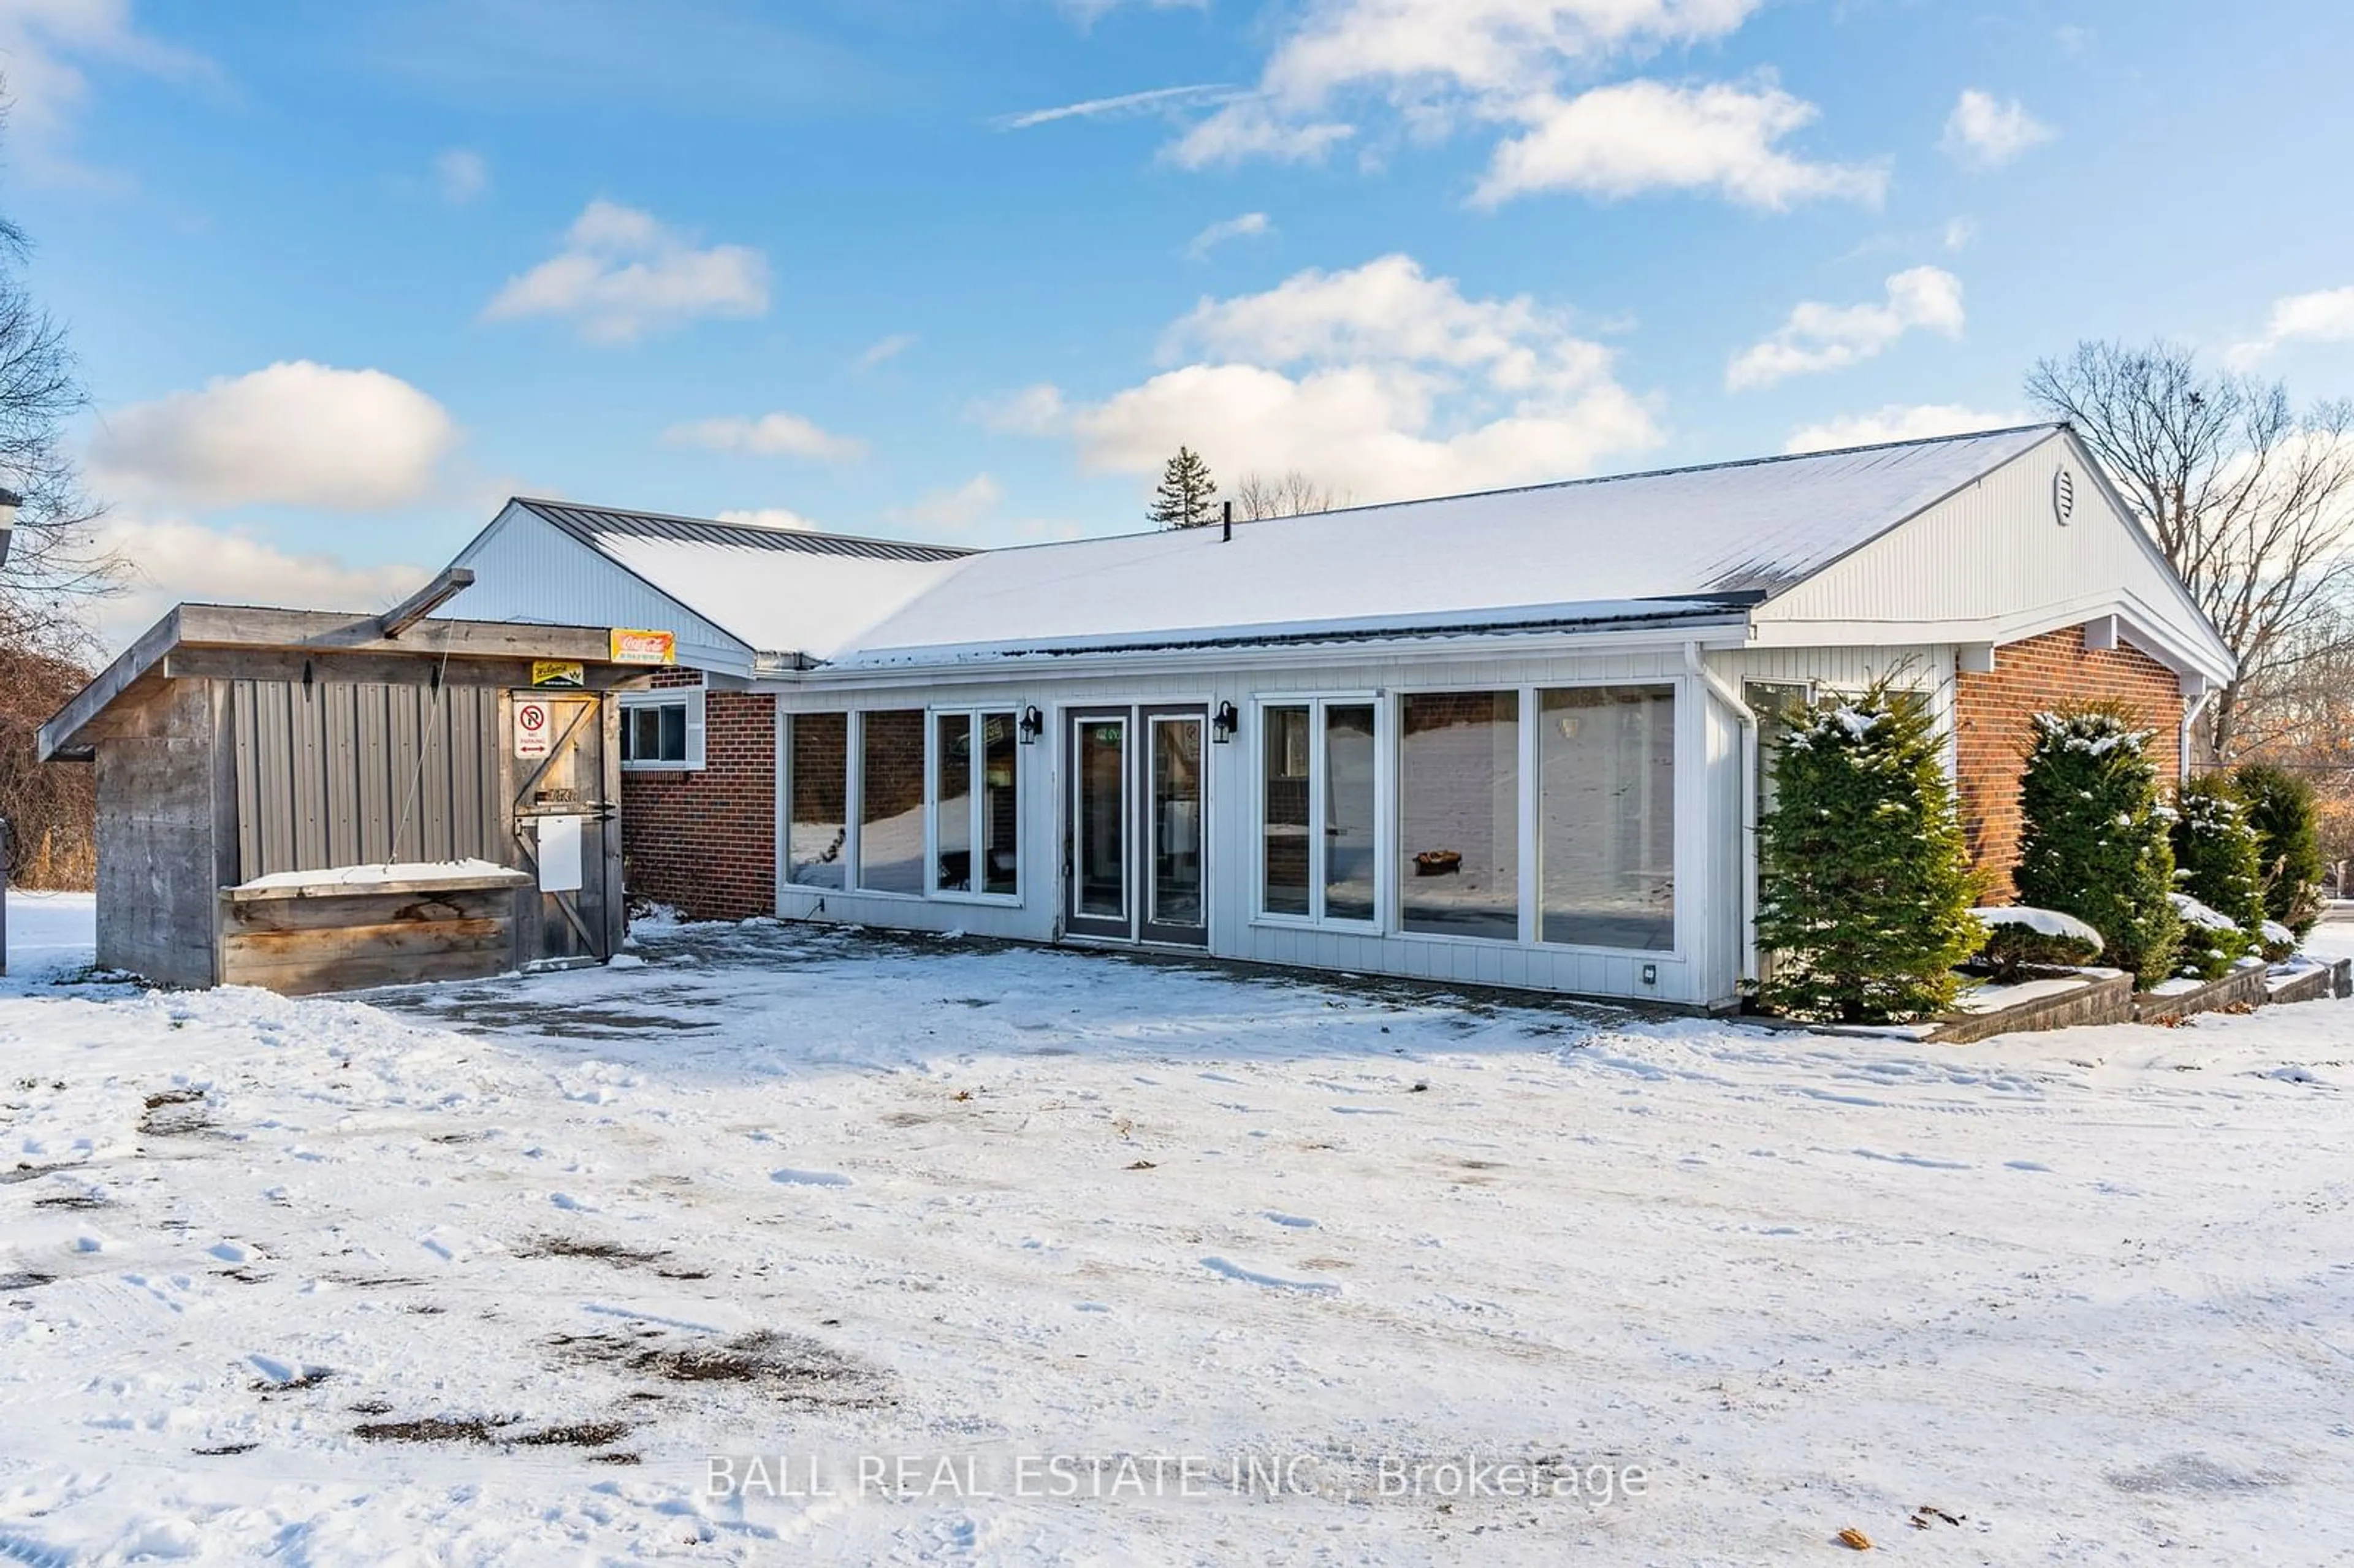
490,1274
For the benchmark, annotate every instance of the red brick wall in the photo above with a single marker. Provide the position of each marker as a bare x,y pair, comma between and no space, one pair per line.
705,842
1993,728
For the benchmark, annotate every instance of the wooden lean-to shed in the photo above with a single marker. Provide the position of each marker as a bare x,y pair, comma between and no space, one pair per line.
313,800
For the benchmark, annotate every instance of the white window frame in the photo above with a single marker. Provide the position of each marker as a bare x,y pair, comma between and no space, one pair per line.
1385,814
1531,923
785,882
855,805
975,805
693,699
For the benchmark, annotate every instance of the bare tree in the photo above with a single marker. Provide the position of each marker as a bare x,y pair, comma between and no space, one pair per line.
2251,500
1294,494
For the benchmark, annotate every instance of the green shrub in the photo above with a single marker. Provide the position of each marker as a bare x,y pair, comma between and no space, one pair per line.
1864,877
2211,943
2280,808
2014,949
2095,843
2215,862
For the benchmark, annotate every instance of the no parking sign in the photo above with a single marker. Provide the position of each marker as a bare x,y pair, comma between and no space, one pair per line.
531,726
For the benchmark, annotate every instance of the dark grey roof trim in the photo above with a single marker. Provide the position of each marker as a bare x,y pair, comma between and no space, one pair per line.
589,524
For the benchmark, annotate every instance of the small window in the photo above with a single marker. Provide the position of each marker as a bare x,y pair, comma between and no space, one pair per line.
1318,767
663,730
976,818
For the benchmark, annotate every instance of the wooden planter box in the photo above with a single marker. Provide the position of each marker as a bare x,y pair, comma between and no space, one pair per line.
345,936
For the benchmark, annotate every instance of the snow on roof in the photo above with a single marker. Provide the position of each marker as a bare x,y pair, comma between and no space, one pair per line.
780,590
1585,550
1671,544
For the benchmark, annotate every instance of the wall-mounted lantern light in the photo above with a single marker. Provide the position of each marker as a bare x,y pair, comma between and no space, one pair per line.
1224,723
1034,723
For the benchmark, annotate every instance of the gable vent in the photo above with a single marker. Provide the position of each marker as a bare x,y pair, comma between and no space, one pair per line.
2063,496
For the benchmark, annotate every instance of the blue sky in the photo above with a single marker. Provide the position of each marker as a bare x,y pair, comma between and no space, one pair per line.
343,277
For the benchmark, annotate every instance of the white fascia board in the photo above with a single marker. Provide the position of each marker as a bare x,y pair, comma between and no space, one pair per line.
2136,623
1666,639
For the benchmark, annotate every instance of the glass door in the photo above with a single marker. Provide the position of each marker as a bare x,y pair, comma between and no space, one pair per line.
1136,843
1177,902
1096,849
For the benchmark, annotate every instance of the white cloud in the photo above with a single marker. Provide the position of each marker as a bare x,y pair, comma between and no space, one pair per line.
1380,380
174,559
1087,13
1432,67
622,272
1647,135
768,517
1819,337
1899,422
1961,233
890,347
771,435
1037,411
1247,130
461,176
41,42
955,509
1118,105
2327,316
1985,133
297,432
1217,234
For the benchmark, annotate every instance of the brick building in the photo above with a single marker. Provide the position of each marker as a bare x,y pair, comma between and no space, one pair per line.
1517,738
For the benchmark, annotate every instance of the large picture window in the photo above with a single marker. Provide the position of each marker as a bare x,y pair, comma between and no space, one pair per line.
1320,855
1460,814
817,768
1605,816
976,822
891,801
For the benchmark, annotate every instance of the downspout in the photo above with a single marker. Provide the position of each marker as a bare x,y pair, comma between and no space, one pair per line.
1724,694
2189,720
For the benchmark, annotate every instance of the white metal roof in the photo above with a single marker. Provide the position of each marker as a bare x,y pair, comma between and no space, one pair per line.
1727,533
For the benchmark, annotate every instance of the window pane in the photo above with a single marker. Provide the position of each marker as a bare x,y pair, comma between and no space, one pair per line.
891,802
1778,707
1605,816
1176,823
673,745
1348,847
1285,856
952,802
1460,814
819,763
1102,825
1001,820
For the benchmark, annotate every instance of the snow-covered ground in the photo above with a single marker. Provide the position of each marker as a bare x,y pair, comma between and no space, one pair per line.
489,1273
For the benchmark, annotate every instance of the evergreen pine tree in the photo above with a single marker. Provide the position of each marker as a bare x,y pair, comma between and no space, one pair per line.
2288,841
1182,499
2215,862
2095,843
1865,879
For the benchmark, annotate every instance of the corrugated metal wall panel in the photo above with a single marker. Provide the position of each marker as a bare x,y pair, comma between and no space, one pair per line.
345,773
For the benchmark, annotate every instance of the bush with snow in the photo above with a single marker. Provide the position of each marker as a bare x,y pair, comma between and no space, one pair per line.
2215,864
2211,941
2281,809
2021,939
2094,841
1865,878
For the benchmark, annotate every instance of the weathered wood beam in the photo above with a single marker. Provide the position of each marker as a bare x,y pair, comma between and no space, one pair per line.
447,585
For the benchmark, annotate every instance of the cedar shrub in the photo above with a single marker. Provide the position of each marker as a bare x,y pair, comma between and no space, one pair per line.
1865,881
2094,841
2215,862
2281,809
